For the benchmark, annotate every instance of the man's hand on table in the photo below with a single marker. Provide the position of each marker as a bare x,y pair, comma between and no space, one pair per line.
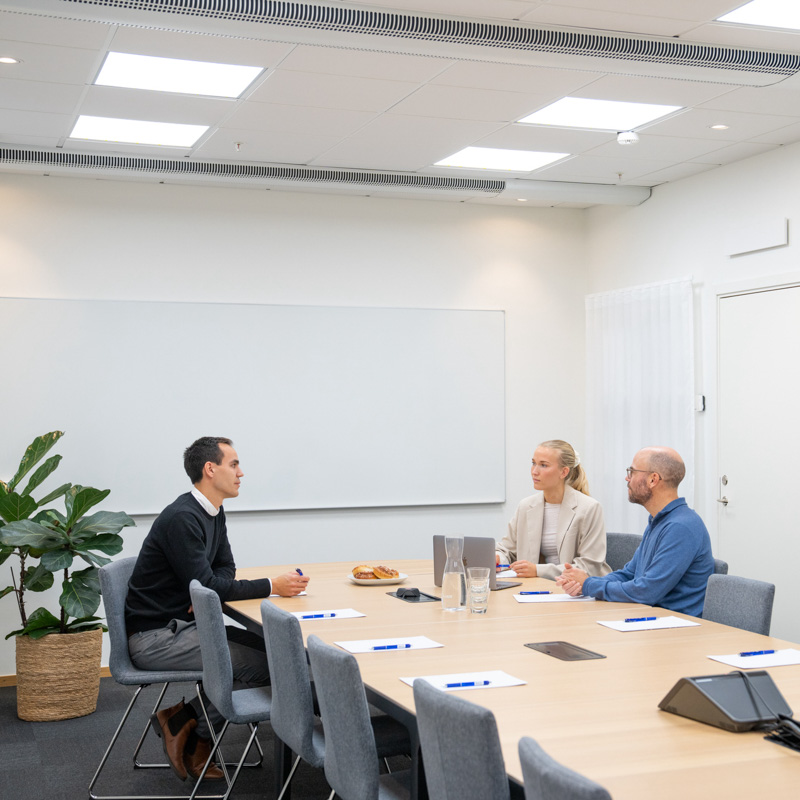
289,584
571,580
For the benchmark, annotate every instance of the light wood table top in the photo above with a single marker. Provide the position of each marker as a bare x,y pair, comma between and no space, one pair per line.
599,717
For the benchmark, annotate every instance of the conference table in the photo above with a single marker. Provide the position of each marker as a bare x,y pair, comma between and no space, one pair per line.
600,716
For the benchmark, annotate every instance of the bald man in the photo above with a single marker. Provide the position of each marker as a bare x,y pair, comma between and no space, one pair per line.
670,568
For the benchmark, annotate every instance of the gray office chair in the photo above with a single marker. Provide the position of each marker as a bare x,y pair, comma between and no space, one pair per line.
351,756
460,746
240,707
546,779
741,602
620,548
292,715
114,579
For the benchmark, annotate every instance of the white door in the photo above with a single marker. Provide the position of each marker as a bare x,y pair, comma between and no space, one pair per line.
759,445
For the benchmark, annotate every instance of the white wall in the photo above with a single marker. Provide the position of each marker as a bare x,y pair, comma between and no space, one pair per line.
685,230
68,238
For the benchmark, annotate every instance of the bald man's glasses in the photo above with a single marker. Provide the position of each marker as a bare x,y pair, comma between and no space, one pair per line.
630,470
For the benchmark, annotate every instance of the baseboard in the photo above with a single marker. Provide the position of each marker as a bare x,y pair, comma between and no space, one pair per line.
11,680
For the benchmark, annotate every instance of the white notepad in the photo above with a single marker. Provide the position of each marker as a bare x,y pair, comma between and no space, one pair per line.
659,623
396,645
461,681
780,658
327,613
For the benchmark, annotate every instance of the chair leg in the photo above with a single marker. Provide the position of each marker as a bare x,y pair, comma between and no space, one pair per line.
289,777
215,748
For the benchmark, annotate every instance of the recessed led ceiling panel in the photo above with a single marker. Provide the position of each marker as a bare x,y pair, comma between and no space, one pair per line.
497,159
135,131
610,115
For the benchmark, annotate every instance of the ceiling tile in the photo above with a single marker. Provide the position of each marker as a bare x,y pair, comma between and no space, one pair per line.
549,139
111,101
696,124
363,63
453,102
32,123
405,143
650,146
44,62
608,21
636,89
671,174
515,78
285,87
54,98
17,27
297,119
735,152
603,169
275,148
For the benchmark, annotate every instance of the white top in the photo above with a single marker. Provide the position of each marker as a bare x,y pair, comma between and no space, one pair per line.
549,528
207,505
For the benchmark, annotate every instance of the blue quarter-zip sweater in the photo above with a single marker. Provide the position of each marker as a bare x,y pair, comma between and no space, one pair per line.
670,568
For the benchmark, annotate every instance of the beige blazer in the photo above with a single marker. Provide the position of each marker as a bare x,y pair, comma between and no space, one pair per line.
581,535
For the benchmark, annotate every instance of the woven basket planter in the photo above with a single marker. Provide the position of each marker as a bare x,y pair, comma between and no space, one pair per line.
58,676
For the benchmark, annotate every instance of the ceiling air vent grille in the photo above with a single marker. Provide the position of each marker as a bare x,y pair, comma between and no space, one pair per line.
466,32
204,169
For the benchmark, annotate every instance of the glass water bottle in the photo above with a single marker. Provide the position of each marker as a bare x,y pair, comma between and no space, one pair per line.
454,579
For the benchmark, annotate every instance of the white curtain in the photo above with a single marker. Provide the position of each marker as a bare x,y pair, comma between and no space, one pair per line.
640,389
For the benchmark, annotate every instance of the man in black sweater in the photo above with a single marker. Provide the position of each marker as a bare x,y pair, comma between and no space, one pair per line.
189,540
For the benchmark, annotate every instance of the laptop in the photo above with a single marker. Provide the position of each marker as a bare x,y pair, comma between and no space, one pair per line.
478,552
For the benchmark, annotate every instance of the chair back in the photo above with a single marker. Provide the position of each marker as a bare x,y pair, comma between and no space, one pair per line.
217,669
114,579
351,758
620,548
460,746
292,715
720,567
546,779
741,602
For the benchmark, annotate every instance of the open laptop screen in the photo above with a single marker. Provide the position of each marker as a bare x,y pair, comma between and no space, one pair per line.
478,552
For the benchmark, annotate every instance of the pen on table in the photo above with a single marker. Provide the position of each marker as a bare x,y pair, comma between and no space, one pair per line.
466,683
299,572
317,616
639,619
757,653
503,566
391,646
547,592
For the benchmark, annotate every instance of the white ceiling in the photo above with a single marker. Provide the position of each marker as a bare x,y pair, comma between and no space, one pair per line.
335,106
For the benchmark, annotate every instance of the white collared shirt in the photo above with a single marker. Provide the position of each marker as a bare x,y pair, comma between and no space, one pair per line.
205,503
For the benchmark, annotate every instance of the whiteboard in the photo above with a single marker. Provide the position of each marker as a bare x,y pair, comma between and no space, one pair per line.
328,407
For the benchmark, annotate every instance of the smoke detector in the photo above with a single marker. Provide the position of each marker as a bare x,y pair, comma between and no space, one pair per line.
627,137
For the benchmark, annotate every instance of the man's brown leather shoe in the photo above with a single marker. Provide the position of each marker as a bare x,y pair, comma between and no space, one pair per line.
174,725
195,761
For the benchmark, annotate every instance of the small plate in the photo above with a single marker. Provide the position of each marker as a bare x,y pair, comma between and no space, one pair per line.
378,581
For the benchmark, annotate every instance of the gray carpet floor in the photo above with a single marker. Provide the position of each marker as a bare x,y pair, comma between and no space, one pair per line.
56,760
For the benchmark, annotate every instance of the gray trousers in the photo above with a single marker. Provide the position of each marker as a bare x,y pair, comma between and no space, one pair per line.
178,647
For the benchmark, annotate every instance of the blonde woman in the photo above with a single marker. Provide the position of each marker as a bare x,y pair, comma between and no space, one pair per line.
559,524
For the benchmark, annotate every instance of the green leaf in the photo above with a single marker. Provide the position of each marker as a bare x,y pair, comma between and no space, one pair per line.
42,474
63,489
41,618
90,577
108,543
55,560
51,518
3,488
15,506
86,624
93,558
102,522
78,599
35,451
31,534
80,499
5,552
38,578
6,591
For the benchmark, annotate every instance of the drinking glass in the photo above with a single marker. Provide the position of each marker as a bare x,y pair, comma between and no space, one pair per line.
478,589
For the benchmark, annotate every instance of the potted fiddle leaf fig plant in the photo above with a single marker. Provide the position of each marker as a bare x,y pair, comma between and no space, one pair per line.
56,651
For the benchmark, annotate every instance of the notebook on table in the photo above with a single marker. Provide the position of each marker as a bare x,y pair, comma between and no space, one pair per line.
478,552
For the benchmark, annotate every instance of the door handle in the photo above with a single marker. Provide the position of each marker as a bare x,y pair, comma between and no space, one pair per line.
723,500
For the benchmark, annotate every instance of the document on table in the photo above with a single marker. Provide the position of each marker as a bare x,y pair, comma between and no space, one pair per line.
458,681
328,613
778,658
389,645
647,623
507,573
550,598
300,594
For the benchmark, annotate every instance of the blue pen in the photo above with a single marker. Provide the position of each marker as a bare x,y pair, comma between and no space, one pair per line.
503,566
640,619
466,683
299,572
317,616
758,653
548,592
391,647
